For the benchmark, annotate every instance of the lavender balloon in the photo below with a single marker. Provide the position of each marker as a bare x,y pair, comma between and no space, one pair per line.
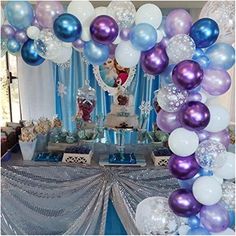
104,29
178,21
47,11
164,42
125,34
183,203
112,49
203,135
194,115
187,74
168,121
21,36
214,218
7,31
155,60
194,97
216,82
222,137
78,44
183,167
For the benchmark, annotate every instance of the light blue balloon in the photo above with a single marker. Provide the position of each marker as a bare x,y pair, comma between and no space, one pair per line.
231,218
95,53
221,55
200,57
166,76
13,46
143,36
198,231
19,14
193,222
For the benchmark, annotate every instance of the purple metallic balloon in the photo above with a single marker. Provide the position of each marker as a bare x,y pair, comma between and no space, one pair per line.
222,137
183,167
194,97
78,44
104,29
216,82
164,42
7,31
203,135
21,36
183,203
214,218
47,11
167,121
155,60
125,34
187,74
178,21
194,115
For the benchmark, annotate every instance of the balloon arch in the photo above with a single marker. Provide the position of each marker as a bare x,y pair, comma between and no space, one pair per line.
192,59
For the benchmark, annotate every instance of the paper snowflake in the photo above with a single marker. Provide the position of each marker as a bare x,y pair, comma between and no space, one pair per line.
145,107
61,89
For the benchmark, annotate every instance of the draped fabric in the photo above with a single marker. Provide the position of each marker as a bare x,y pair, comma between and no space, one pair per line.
74,77
66,199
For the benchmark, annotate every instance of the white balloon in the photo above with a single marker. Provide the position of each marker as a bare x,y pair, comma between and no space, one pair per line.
228,231
160,36
64,55
218,179
150,14
219,118
207,190
227,171
126,55
117,40
33,32
83,10
101,11
183,142
85,35
204,96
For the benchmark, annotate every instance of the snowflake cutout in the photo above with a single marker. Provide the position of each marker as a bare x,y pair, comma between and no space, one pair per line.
145,107
61,89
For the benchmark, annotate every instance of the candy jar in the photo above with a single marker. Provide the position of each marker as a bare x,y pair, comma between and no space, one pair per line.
86,100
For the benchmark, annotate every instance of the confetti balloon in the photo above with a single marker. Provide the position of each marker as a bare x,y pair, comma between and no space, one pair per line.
153,216
208,154
123,12
171,98
223,13
33,32
228,195
180,47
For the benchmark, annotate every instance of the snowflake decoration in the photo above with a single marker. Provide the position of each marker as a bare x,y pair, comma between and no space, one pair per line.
148,76
61,89
145,107
65,65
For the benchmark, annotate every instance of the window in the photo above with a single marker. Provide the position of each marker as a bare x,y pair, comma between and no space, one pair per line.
10,99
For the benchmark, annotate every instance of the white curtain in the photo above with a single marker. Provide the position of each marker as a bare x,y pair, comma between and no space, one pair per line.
37,90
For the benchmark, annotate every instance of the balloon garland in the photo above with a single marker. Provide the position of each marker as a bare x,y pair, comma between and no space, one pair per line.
192,59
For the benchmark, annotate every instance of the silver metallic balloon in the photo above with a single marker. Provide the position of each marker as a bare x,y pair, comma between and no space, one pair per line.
180,47
170,98
123,12
228,195
153,216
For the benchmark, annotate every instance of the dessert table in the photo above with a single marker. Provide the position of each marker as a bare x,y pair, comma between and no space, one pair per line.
59,198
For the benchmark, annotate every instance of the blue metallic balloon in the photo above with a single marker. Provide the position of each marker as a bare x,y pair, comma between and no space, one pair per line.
13,46
221,56
193,222
231,219
95,53
166,75
67,28
19,14
200,57
143,36
29,54
204,32
198,231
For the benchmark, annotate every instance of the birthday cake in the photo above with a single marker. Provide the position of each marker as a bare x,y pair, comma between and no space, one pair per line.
122,113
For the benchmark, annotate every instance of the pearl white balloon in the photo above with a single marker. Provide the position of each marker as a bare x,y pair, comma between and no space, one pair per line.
85,35
219,118
160,36
150,14
228,231
153,216
64,55
126,55
227,171
33,32
100,11
117,40
218,179
83,10
207,190
183,142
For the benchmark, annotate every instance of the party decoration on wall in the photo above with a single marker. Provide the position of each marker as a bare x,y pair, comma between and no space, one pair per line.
180,47
19,14
30,55
123,12
67,28
104,29
178,22
47,11
204,32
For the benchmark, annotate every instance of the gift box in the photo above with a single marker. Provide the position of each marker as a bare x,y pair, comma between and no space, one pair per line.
27,149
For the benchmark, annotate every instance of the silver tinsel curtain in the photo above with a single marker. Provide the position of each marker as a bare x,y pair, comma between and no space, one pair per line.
66,199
